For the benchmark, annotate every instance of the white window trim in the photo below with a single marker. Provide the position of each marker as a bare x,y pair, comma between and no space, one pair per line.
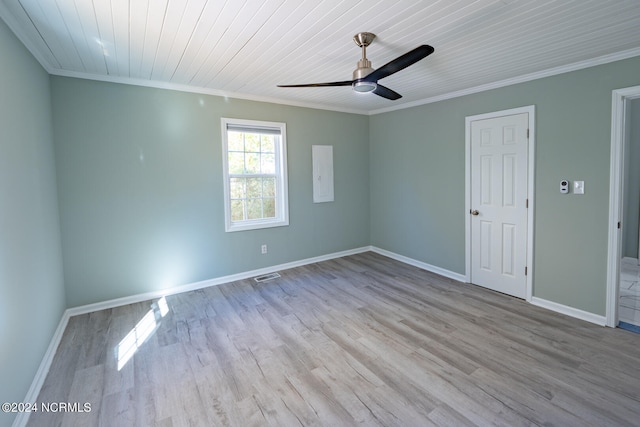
282,194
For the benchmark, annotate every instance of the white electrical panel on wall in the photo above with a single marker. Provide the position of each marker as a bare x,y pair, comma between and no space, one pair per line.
322,157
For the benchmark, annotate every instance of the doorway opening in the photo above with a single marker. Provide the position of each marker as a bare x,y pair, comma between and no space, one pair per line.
623,292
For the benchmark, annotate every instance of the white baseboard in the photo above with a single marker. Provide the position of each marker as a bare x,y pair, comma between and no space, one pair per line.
549,305
43,370
423,265
570,311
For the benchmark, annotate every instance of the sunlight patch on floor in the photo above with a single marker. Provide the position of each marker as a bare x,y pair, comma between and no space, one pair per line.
126,348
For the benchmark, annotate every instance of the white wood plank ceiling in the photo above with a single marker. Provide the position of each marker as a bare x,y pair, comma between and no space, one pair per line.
244,48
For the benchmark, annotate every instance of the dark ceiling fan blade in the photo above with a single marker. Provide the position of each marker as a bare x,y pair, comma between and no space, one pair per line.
385,92
400,63
329,84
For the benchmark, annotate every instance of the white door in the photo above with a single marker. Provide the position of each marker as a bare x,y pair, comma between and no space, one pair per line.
499,161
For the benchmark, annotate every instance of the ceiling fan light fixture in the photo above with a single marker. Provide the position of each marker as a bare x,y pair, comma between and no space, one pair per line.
364,87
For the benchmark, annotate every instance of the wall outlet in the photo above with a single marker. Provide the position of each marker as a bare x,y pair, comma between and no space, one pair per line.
263,249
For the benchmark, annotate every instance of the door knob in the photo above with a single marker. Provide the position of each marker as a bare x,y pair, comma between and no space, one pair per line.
474,212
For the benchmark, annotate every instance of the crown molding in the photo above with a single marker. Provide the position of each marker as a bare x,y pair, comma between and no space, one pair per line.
201,91
618,56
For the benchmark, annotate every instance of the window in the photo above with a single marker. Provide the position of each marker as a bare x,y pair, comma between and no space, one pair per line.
255,174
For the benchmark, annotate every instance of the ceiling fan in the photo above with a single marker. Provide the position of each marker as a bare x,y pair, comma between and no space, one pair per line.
365,78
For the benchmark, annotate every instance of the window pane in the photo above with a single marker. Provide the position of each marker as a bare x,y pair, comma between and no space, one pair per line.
268,145
237,188
268,163
269,187
254,188
252,142
236,141
255,174
269,208
237,210
252,163
254,208
236,163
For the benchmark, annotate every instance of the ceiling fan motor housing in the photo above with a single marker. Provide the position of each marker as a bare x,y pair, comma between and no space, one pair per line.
363,70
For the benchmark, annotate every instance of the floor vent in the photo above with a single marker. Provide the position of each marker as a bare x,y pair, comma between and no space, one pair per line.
266,277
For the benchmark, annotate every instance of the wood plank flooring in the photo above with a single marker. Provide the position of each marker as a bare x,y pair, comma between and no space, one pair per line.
361,340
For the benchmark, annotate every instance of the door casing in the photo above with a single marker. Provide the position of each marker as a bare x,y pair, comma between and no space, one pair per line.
530,189
616,195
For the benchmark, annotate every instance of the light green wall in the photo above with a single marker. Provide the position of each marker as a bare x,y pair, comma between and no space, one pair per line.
141,192
417,179
32,295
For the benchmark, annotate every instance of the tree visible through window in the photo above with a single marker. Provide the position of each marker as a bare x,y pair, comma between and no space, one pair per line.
255,174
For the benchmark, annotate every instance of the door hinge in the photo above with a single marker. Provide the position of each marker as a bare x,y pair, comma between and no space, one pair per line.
527,204
619,225
525,270
527,133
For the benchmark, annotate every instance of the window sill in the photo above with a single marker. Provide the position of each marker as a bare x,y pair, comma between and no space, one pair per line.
255,225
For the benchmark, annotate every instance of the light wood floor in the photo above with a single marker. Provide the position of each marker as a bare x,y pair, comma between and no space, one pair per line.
361,340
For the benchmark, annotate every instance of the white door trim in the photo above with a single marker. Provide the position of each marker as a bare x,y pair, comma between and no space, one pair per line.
530,190
616,199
